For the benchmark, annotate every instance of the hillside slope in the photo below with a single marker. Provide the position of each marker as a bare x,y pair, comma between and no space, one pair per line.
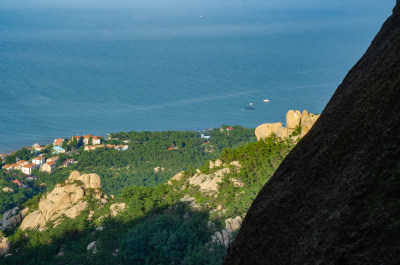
335,198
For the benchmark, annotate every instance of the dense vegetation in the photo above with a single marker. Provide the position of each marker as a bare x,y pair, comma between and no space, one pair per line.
119,169
154,157
157,228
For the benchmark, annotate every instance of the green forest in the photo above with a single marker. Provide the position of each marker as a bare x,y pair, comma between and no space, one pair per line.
157,228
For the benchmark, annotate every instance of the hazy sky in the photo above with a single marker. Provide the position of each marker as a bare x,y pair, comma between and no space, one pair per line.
183,4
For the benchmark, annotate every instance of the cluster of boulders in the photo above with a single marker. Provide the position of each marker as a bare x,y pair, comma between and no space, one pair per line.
294,121
225,237
65,200
209,182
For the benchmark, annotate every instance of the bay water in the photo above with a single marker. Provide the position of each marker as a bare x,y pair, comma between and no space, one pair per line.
79,70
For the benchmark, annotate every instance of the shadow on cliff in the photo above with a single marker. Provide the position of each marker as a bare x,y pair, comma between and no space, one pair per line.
163,235
335,198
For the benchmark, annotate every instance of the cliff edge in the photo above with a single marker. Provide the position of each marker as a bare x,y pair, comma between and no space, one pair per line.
335,198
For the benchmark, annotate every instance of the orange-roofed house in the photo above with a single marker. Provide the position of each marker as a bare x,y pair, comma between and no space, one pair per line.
38,160
20,163
86,139
18,182
27,169
49,166
96,140
9,167
93,147
58,142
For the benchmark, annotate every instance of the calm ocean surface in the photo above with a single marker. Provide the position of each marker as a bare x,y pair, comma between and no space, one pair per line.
71,71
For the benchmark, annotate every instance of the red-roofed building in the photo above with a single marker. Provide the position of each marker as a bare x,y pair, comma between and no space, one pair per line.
58,142
173,148
38,160
9,167
18,182
27,169
230,128
49,166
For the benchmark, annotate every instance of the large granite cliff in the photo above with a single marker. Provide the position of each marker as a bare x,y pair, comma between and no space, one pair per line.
335,199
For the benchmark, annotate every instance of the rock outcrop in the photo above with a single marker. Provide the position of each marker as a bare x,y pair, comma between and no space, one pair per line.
294,120
7,189
4,246
209,182
116,208
225,236
65,199
335,198
11,219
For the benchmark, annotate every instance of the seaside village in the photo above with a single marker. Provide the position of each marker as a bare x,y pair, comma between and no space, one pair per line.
39,162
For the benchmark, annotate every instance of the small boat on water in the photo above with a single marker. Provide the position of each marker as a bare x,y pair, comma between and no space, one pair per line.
266,100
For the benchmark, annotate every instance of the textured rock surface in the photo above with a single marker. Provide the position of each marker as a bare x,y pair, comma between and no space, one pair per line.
294,119
117,208
66,199
4,246
335,198
7,189
11,219
225,237
266,129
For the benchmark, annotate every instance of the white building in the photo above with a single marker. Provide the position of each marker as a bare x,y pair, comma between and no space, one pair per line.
38,160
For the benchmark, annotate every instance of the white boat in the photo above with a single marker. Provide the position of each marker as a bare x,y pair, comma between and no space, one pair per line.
266,100
251,103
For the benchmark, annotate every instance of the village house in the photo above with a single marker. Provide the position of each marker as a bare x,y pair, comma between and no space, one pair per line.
96,140
37,147
54,158
27,168
93,147
202,136
58,150
18,182
20,163
68,162
58,142
49,166
9,167
38,160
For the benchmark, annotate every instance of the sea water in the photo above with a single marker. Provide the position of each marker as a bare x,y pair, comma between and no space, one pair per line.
72,71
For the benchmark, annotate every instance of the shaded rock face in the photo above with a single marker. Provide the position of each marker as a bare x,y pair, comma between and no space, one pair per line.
335,198
65,200
11,219
225,237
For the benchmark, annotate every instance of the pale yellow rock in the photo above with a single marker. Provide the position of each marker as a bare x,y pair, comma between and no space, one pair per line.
8,189
284,133
266,129
304,131
236,164
65,200
74,175
24,212
4,247
304,117
33,220
116,208
293,119
210,182
177,177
